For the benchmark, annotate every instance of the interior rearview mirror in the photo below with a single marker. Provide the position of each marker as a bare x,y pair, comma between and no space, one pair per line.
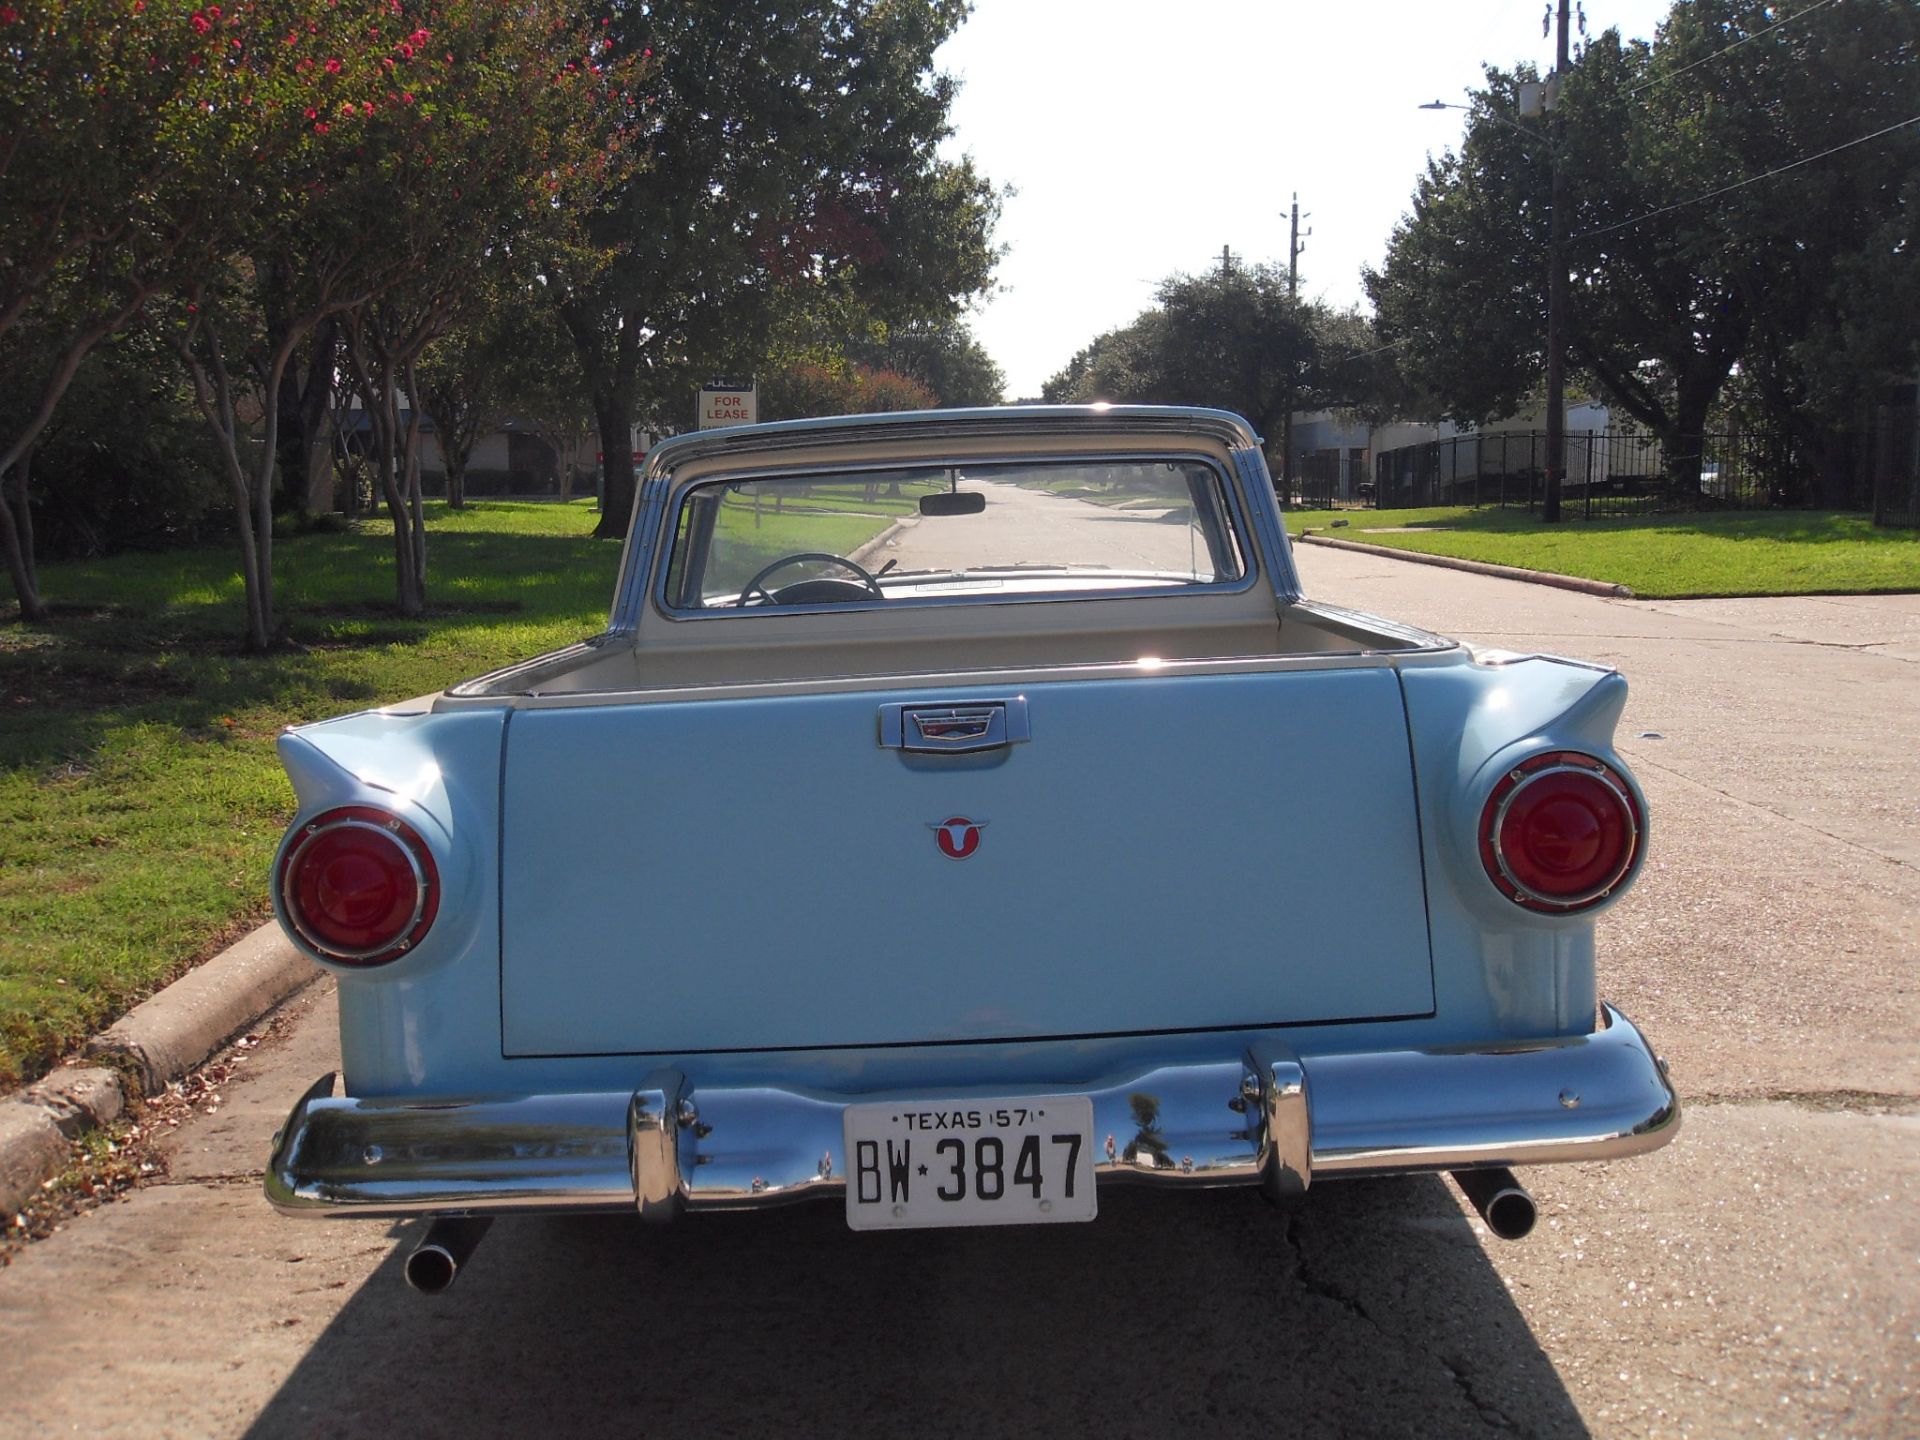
953,502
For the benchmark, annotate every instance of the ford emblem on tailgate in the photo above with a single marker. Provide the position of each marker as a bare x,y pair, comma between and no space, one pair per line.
959,837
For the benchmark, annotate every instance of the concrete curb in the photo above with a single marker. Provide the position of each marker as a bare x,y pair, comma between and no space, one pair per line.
153,1045
873,547
1605,588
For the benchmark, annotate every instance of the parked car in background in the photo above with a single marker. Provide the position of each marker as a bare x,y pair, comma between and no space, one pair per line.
961,814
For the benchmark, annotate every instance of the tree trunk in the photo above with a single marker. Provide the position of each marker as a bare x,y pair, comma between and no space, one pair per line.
383,415
16,536
615,423
1684,439
416,509
316,471
213,393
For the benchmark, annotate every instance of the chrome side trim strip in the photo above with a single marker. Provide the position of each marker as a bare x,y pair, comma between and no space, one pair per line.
1267,1117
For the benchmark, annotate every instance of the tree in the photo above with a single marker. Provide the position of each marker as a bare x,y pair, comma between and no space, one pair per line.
398,164
805,388
108,125
941,354
791,146
1681,256
1118,366
1234,338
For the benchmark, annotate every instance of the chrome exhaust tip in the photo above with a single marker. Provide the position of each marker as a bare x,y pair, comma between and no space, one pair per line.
436,1262
1503,1202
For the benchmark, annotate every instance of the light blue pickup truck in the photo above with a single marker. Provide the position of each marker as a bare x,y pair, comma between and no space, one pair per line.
961,813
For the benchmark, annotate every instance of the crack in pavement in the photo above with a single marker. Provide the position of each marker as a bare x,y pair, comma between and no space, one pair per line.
211,1182
1641,757
1462,1380
1843,1102
1560,637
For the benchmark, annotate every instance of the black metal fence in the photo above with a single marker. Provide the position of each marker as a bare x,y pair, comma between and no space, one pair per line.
1328,479
1896,463
1611,473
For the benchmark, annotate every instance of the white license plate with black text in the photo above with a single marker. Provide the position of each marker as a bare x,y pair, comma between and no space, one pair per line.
921,1163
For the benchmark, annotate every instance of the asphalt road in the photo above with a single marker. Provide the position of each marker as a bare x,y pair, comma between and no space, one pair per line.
1035,527
1760,1276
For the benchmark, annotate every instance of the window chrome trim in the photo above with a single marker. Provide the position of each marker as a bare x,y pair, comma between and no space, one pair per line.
1250,468
1254,565
637,558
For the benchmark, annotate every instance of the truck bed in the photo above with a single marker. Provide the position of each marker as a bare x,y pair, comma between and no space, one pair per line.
949,641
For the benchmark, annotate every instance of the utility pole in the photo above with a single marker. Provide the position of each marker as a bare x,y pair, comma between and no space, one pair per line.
1294,247
1226,262
1557,287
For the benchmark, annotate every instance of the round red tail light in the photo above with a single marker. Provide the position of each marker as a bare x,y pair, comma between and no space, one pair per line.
359,886
1559,832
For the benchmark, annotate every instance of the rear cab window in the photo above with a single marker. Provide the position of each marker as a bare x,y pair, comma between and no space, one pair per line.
874,537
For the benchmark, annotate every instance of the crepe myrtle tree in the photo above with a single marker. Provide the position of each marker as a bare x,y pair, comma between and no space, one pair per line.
531,119
401,158
790,144
111,132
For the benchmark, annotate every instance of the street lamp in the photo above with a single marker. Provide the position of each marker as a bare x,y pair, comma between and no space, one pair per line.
1556,290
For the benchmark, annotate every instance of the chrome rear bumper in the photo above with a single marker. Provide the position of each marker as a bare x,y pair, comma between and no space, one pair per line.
1266,1117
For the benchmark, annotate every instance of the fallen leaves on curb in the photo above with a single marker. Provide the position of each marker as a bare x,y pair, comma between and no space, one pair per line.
106,1164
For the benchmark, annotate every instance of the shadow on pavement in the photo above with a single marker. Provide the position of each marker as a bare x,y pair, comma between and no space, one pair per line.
1371,1310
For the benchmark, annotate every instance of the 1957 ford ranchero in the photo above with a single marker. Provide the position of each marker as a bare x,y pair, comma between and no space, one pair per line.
961,813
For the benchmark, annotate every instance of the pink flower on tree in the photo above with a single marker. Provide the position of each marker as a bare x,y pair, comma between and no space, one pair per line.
200,23
333,67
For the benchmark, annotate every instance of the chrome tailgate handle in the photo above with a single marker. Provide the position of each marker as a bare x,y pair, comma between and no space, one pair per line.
936,729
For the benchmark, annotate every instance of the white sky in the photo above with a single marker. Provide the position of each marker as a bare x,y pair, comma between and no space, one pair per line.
1144,136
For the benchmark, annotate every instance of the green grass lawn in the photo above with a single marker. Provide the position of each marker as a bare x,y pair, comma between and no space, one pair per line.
1772,552
140,799
745,541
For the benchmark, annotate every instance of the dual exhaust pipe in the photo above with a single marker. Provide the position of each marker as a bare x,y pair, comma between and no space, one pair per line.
443,1252
1501,1200
436,1262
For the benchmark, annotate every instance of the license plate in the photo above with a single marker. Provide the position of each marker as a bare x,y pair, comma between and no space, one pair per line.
917,1164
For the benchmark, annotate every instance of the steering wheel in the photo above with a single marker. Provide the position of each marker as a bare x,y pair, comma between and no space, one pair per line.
821,590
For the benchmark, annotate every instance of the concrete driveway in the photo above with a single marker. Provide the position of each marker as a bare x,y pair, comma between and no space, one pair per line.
1760,1276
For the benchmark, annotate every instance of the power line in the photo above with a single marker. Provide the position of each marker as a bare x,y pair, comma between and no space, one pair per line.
1377,350
1750,180
1675,74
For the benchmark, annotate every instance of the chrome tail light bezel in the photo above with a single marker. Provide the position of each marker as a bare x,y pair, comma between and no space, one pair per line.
1514,783
389,828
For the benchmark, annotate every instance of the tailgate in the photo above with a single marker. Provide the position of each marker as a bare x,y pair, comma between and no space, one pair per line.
1162,853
